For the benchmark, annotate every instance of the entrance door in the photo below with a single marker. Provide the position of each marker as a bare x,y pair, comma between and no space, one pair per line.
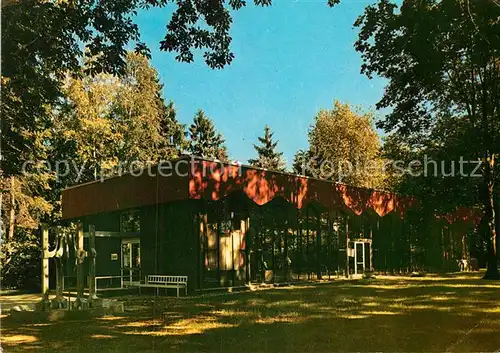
359,257
131,261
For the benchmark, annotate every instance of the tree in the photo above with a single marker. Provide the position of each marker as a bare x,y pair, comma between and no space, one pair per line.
110,123
300,160
344,146
267,156
91,137
442,61
173,134
149,128
41,42
201,24
103,121
438,173
24,208
204,140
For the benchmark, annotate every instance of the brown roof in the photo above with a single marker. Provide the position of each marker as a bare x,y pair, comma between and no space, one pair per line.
199,178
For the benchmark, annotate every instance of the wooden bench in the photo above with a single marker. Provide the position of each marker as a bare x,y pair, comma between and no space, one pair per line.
162,281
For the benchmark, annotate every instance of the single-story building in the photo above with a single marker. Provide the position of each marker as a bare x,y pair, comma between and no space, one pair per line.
225,224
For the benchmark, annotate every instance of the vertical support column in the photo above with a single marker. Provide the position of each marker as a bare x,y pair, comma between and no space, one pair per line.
371,245
92,269
371,256
308,260
401,246
347,246
318,245
80,302
300,245
202,220
329,244
247,236
233,270
274,252
355,259
263,267
45,267
465,250
410,254
285,251
218,250
364,258
452,244
391,252
442,249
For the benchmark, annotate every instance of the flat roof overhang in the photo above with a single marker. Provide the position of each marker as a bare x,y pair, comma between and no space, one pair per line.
199,178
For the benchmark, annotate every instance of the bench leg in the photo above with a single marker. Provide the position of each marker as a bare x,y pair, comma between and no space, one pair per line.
177,291
186,290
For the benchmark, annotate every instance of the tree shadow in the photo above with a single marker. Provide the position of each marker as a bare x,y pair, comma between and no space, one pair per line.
365,315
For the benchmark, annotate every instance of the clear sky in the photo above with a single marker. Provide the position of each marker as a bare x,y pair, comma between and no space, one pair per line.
291,59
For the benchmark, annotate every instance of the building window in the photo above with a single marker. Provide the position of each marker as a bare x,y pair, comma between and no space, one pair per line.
211,248
130,221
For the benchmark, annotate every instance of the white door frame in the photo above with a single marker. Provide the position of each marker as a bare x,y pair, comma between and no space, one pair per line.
127,277
356,256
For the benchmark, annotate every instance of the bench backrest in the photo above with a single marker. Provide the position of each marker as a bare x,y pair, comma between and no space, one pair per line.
167,279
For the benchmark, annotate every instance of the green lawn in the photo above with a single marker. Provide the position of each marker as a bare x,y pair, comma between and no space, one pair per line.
459,314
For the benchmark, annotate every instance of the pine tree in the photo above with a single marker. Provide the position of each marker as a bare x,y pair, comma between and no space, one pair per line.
267,156
173,134
300,162
205,141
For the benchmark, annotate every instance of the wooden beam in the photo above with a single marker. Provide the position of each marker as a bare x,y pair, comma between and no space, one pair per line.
92,261
45,263
80,256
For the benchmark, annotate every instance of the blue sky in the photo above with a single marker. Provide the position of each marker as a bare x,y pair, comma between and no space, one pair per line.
291,59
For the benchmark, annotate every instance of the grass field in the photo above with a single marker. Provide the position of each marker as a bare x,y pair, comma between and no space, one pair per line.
438,314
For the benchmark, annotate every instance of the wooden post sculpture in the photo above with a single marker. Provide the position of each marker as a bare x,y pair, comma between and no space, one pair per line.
60,251
93,255
80,302
60,254
46,254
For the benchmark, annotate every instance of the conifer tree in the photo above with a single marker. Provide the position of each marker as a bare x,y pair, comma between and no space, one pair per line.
204,139
267,156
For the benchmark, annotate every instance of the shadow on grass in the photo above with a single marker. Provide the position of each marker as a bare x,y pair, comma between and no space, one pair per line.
425,314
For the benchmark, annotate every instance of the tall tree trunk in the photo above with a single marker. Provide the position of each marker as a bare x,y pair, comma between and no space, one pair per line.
12,210
496,204
492,270
95,163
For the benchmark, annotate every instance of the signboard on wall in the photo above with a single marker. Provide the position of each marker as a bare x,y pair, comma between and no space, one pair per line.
114,257
225,227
